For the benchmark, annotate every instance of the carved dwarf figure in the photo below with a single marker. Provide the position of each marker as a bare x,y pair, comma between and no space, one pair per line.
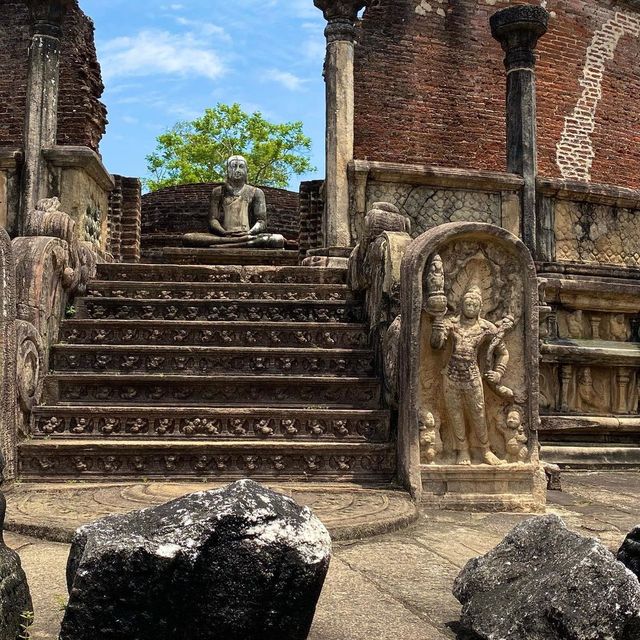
515,438
237,214
462,381
428,437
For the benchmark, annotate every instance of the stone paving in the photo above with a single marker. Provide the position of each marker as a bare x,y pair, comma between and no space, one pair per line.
397,584
55,511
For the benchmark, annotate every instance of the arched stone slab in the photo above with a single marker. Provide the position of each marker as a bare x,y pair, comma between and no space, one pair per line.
468,366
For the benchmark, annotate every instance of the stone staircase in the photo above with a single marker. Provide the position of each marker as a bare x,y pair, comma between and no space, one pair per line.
217,371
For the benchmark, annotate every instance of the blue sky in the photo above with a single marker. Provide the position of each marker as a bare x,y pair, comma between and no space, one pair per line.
167,61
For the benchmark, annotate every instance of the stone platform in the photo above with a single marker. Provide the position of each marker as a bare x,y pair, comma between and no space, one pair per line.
393,586
510,487
54,511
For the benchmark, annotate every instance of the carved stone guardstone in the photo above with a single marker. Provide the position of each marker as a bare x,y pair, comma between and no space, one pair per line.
469,376
7,355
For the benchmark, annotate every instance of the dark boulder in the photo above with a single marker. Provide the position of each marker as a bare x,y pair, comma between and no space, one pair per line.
629,552
16,609
544,582
241,563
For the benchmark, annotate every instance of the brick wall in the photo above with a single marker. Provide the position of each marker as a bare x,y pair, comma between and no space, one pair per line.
81,115
124,220
171,212
82,118
114,221
14,41
430,87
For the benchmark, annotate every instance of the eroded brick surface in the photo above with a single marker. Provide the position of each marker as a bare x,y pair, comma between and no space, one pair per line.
430,87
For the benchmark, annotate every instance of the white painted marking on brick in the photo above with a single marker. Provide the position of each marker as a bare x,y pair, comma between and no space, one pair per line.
574,152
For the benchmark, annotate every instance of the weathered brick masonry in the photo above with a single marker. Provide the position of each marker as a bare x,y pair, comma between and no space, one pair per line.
81,115
311,210
82,118
430,87
124,219
14,41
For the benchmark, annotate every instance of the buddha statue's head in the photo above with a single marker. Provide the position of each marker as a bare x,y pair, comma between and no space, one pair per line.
237,170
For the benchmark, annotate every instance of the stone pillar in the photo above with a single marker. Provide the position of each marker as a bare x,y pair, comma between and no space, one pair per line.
41,117
341,16
518,29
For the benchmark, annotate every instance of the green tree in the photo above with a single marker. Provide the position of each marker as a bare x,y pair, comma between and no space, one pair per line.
197,151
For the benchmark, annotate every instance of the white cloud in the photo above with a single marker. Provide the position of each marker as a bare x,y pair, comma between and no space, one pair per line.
152,52
205,28
305,9
314,48
286,79
130,120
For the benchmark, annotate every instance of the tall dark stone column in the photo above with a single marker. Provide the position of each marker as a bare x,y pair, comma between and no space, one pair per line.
518,29
41,119
341,16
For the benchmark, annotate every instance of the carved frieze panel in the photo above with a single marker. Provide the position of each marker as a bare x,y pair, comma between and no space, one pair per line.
574,387
253,311
212,334
600,234
578,324
590,349
228,425
284,292
337,363
218,274
377,464
121,389
428,207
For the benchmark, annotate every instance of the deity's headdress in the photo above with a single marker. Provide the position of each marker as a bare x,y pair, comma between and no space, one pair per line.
475,291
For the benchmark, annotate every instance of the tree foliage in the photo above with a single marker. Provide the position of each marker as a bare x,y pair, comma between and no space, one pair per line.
196,151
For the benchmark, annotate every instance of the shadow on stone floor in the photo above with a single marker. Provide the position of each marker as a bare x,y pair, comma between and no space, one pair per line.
461,633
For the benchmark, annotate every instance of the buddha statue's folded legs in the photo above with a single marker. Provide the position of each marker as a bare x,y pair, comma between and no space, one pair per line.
261,241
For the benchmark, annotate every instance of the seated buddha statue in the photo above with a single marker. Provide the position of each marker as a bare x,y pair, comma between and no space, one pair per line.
237,214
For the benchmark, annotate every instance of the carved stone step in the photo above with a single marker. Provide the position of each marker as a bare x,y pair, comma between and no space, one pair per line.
591,352
209,423
230,273
212,291
212,360
219,334
243,310
228,460
592,456
188,255
254,391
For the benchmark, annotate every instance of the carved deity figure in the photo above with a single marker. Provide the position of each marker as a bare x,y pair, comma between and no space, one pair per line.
237,214
463,391
574,325
618,327
515,438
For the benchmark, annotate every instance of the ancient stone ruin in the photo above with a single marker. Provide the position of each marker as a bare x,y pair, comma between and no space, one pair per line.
241,563
450,310
544,582
16,607
347,332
